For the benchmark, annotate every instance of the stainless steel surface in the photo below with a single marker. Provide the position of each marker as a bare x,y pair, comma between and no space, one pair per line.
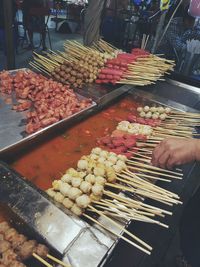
177,92
12,123
81,244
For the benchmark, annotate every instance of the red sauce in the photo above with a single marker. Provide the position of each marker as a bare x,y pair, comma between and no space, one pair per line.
50,159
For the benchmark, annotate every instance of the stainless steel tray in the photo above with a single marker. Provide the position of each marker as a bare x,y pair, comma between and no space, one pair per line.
12,123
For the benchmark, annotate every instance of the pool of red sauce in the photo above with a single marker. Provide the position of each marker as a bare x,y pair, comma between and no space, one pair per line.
50,159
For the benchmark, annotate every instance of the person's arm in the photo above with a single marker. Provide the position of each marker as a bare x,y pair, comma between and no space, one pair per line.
176,151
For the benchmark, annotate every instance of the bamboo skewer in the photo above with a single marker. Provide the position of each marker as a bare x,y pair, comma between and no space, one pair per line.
42,260
121,228
57,261
118,235
154,168
129,202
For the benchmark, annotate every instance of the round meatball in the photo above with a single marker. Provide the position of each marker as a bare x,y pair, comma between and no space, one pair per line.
68,203
51,192
85,187
83,201
74,193
76,182
64,190
59,197
97,189
76,210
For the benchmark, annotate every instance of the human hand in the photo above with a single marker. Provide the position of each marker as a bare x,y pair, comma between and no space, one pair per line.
175,151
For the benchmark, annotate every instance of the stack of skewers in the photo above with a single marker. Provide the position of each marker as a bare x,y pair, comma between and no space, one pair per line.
15,249
102,63
114,179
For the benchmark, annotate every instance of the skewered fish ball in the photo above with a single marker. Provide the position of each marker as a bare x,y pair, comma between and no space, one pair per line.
100,180
142,114
82,164
82,174
97,189
148,115
112,159
86,186
101,160
76,182
90,178
153,109
64,189
68,203
59,197
66,178
111,175
163,116
51,192
57,184
83,201
139,109
76,210
99,171
146,108
155,116
74,193
108,164
122,157
121,163
117,168
72,172
168,110
161,109
103,154
96,150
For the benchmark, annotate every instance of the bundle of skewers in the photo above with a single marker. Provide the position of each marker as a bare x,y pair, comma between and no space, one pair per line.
102,185
76,66
137,68
15,249
180,123
102,63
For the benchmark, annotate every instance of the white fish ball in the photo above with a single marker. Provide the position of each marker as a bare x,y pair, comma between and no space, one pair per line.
142,114
100,180
82,164
64,189
161,110
85,187
83,201
168,110
103,154
139,109
155,116
74,193
96,150
146,108
68,203
153,109
76,210
82,174
90,178
59,197
76,181
66,178
51,192
148,115
122,157
117,168
72,172
99,171
121,164
56,184
112,159
163,116
97,189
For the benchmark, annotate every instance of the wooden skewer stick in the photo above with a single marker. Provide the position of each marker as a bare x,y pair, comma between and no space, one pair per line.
118,235
131,201
153,177
131,175
154,168
122,229
42,260
57,261
154,172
